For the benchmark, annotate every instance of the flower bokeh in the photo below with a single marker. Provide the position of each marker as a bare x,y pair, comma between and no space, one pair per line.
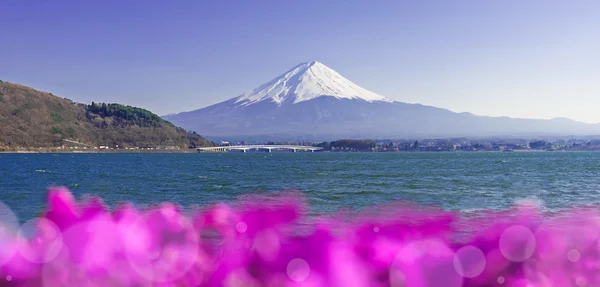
272,242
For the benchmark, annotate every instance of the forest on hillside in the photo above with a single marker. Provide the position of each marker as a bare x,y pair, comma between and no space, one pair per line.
34,119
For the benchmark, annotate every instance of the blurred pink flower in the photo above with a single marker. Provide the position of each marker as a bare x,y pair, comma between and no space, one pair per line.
270,242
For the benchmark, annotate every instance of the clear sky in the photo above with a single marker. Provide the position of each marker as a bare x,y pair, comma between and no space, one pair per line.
518,58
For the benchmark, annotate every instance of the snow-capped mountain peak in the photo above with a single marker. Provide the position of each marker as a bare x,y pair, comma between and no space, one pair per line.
305,82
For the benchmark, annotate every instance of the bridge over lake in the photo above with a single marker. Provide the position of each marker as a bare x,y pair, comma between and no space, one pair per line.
268,148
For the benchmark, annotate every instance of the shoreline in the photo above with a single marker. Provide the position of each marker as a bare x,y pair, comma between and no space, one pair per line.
88,152
195,151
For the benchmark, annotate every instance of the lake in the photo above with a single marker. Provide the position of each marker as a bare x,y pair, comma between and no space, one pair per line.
454,181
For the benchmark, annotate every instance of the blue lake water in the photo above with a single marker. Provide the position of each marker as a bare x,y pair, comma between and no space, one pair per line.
455,181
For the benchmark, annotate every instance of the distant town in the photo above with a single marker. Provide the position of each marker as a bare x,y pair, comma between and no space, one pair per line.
350,145
440,145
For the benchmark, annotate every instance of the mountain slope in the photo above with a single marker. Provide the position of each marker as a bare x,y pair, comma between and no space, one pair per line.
30,118
311,101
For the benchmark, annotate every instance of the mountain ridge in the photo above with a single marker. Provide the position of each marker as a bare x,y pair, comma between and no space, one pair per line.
311,100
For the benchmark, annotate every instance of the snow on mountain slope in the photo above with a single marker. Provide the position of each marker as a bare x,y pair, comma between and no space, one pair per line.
305,82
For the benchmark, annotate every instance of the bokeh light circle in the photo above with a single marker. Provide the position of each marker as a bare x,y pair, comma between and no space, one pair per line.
500,280
517,243
9,226
573,255
241,227
40,240
469,261
8,219
375,229
298,269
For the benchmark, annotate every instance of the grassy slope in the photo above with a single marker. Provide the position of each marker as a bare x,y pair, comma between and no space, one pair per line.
30,118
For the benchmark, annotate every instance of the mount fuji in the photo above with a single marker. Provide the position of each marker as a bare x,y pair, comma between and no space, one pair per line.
313,102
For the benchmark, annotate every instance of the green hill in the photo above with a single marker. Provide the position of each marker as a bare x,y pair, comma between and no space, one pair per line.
31,118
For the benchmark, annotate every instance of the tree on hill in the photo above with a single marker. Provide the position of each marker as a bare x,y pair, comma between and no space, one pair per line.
537,144
355,145
128,119
126,115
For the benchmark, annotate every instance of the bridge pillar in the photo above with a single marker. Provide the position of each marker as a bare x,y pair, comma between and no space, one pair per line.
269,150
294,150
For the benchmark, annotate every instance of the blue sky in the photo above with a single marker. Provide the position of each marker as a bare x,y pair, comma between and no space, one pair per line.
533,59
